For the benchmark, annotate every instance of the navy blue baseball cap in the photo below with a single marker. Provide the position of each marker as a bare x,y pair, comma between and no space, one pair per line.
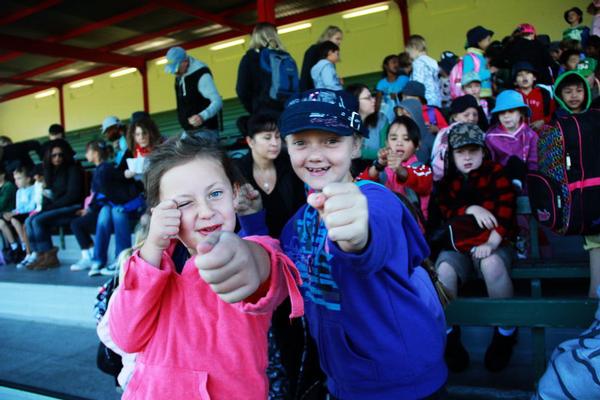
334,111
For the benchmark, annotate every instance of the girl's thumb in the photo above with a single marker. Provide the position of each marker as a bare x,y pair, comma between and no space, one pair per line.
316,200
207,245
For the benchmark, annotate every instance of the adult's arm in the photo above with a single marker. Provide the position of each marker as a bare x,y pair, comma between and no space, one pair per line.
207,88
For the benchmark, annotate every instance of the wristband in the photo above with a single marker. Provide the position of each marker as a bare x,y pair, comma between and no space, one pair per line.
378,166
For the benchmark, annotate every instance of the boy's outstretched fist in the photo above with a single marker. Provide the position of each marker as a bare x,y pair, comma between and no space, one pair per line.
344,210
234,268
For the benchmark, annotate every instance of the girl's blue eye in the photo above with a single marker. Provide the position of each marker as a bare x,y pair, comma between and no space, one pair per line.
332,140
217,194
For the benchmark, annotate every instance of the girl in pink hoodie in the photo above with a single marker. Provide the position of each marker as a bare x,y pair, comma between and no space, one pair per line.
199,323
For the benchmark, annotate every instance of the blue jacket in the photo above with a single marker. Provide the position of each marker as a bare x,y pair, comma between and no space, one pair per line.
484,72
375,316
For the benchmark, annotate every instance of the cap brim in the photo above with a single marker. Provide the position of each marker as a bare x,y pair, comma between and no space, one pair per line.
302,122
172,68
500,109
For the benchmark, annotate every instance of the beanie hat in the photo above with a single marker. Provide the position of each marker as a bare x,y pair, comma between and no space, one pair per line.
414,88
460,104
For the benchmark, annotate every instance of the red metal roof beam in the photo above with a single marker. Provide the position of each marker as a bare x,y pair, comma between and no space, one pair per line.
16,43
319,12
25,12
206,16
26,82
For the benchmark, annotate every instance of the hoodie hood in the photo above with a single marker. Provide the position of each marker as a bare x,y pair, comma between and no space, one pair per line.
557,86
195,65
413,107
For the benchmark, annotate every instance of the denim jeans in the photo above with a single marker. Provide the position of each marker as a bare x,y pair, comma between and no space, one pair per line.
83,228
38,226
112,219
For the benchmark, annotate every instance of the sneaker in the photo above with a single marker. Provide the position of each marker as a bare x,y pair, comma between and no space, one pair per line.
95,269
500,350
29,258
456,356
82,264
111,270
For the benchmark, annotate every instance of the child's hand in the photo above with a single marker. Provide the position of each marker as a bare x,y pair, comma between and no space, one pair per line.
382,156
432,128
394,161
247,200
129,174
164,225
7,215
537,125
81,212
229,265
485,219
482,251
344,210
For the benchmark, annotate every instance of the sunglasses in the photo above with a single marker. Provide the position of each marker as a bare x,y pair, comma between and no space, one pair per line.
57,155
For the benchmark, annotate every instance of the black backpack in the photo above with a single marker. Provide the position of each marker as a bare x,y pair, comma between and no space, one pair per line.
565,191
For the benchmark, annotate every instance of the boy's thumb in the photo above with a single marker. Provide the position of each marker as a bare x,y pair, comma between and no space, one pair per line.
316,200
207,245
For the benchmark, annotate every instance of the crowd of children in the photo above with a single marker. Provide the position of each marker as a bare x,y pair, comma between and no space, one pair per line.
436,150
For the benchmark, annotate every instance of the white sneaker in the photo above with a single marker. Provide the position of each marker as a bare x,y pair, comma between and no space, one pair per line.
82,264
111,270
29,258
95,268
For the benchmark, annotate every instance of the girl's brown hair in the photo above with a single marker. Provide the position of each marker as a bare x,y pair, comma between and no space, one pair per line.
99,146
149,128
178,151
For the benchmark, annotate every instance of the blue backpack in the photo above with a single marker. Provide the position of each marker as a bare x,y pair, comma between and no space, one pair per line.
283,72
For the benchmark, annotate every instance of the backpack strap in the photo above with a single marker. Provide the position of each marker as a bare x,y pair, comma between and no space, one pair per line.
476,62
431,116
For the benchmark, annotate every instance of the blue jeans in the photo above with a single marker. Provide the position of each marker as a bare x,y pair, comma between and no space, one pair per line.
38,226
112,219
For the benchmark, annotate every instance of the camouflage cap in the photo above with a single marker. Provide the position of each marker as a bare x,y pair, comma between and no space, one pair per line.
464,134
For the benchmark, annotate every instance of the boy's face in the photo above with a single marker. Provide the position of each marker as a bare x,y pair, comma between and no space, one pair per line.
572,17
320,158
525,79
473,88
555,54
21,180
485,42
573,96
470,115
468,158
334,56
393,65
572,62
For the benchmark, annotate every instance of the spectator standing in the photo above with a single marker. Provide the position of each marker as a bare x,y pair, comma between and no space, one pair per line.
323,73
311,56
424,69
478,40
576,30
198,101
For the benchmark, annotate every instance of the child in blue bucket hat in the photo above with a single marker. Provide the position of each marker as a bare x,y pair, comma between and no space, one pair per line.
511,141
372,309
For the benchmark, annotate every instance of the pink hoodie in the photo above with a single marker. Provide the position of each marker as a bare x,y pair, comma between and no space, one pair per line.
191,344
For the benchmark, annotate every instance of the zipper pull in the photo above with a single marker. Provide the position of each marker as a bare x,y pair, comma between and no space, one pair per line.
568,162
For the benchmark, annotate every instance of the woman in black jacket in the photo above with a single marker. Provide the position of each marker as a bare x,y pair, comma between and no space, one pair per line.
63,196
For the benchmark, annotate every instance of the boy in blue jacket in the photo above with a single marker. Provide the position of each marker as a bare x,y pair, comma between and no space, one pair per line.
371,308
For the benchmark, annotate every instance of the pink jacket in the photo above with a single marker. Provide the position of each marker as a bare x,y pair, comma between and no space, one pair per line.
191,344
522,144
420,180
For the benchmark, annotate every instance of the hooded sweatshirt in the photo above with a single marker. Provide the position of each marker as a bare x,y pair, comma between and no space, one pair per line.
325,76
563,110
413,107
521,144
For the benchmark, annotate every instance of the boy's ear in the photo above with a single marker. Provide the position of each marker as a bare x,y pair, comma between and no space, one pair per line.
356,146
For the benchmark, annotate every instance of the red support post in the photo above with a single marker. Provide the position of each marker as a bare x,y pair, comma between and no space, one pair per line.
145,94
61,106
265,10
403,5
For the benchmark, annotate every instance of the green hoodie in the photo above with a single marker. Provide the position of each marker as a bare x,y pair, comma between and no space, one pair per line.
588,92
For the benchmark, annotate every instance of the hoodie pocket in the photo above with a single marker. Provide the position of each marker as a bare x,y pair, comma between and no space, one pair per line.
344,362
159,382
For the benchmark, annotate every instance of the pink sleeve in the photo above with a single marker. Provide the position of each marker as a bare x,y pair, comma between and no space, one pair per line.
136,305
283,281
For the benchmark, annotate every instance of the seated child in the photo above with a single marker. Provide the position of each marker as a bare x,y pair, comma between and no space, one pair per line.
359,252
462,109
397,166
199,326
323,72
539,100
431,115
25,204
476,186
511,142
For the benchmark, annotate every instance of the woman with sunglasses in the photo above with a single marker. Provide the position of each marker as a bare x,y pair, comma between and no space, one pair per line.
63,197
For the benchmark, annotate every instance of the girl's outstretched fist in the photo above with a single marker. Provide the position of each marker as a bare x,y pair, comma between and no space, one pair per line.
247,200
234,268
164,225
345,213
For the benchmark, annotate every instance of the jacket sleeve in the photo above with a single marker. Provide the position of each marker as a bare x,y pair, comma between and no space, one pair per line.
419,72
448,201
283,281
206,87
330,78
532,157
73,193
243,87
136,305
420,179
441,121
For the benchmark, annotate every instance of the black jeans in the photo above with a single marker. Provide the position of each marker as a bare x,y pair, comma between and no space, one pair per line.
83,228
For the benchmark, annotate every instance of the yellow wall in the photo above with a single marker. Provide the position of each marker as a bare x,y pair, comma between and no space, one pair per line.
367,41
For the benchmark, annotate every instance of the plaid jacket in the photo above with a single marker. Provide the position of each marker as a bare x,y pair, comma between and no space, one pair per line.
487,187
